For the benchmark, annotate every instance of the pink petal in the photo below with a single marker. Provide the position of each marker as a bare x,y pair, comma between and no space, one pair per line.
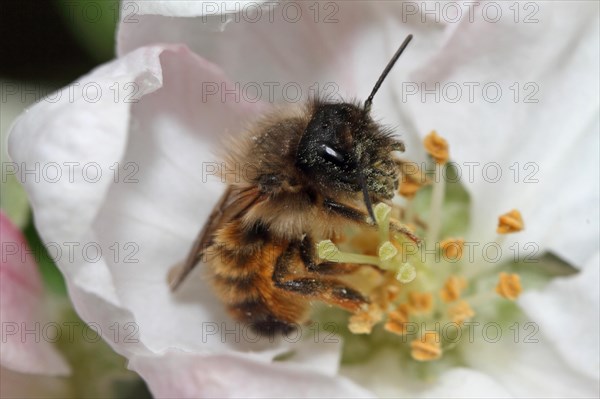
21,385
25,347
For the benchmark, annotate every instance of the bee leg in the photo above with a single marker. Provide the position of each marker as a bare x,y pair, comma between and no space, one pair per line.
347,212
326,289
360,217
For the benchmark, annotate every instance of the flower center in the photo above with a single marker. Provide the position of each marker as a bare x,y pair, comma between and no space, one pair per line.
427,293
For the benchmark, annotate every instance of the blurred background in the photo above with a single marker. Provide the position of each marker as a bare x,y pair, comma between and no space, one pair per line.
46,45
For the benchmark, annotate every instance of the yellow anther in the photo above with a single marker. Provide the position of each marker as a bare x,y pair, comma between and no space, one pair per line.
363,321
410,184
397,321
406,273
420,302
510,222
509,286
327,250
382,212
386,292
391,293
452,248
437,147
387,251
408,188
453,288
412,177
426,348
461,312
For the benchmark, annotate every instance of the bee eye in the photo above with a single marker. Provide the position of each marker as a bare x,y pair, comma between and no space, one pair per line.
332,155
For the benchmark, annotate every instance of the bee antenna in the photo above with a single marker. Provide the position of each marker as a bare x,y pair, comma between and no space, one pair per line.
368,203
387,70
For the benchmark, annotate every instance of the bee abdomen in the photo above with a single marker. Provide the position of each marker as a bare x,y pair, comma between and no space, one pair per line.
238,253
238,289
258,315
242,265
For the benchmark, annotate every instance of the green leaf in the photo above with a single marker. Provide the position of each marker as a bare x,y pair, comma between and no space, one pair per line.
13,201
93,24
53,278
98,371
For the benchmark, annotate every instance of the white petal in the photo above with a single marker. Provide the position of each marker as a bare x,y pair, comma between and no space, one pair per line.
182,375
549,142
191,8
154,214
388,375
26,347
556,54
78,131
74,133
291,56
141,221
337,60
525,362
567,312
465,383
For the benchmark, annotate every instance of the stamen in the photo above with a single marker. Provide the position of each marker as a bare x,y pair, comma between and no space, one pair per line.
397,322
437,147
412,179
410,184
453,288
387,251
461,312
420,302
435,210
406,273
327,250
382,216
439,294
510,222
392,292
452,248
386,293
363,321
426,348
509,286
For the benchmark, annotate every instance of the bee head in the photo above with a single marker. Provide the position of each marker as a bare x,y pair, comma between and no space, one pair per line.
343,151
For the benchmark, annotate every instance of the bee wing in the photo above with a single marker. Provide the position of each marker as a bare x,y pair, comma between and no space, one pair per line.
232,203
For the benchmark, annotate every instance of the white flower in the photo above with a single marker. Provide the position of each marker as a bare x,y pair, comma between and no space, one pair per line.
145,217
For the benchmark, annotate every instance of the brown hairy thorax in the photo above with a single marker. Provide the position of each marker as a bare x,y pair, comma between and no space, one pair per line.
284,156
